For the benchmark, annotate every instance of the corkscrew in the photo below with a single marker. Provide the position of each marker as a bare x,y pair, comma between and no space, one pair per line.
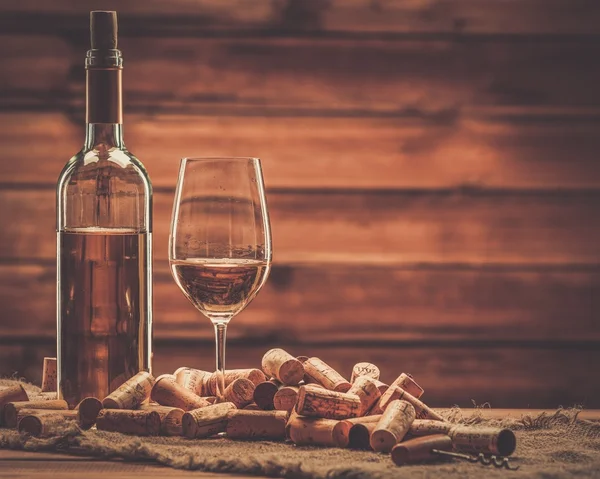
496,461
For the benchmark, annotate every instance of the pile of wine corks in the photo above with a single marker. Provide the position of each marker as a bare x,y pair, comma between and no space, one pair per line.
298,399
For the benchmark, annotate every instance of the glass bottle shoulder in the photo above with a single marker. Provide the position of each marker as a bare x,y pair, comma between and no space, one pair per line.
116,164
104,187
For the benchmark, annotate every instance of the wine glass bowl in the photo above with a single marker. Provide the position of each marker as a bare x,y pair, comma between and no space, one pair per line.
220,288
220,242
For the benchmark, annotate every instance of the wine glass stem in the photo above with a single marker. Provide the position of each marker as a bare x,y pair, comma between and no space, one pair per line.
220,336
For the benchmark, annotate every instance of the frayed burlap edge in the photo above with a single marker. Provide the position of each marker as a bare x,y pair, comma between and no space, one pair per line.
564,418
72,440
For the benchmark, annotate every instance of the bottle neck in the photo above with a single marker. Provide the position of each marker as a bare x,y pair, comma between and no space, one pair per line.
104,108
104,95
104,99
108,135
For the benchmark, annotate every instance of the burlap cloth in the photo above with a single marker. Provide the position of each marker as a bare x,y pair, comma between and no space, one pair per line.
548,446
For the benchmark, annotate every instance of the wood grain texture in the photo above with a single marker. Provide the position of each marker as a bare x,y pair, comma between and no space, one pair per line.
432,172
310,302
372,227
461,375
511,377
41,465
327,152
317,16
436,79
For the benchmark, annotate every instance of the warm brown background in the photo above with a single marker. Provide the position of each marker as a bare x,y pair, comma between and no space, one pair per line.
432,167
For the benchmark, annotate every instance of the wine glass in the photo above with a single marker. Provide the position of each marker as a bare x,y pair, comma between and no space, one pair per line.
220,242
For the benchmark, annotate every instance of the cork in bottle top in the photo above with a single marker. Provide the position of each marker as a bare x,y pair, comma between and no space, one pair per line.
103,30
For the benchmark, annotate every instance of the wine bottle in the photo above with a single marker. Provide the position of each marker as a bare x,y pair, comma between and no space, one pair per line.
104,244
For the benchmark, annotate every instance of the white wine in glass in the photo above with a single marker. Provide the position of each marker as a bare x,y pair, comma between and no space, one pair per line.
220,243
220,288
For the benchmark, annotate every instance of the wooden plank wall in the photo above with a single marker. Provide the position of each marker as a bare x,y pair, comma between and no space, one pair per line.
432,168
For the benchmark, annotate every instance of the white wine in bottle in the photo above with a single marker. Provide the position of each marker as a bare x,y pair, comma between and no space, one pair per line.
104,226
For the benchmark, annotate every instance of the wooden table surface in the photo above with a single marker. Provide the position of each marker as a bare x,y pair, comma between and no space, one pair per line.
38,465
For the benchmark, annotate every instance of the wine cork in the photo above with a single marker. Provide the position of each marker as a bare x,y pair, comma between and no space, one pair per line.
47,396
49,375
87,411
292,415
170,419
64,413
393,426
407,382
283,366
423,411
375,409
383,387
45,423
427,427
285,399
488,440
367,391
252,407
207,421
318,402
167,392
240,392
264,394
257,425
171,422
11,409
312,431
392,393
194,380
256,376
359,436
320,372
129,421
103,30
341,431
11,394
419,449
131,393
364,369
305,379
